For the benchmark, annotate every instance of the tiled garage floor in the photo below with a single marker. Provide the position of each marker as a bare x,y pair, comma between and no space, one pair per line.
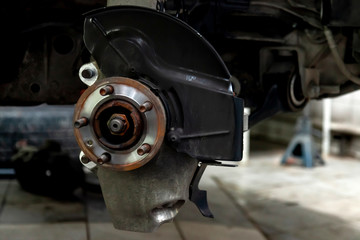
257,201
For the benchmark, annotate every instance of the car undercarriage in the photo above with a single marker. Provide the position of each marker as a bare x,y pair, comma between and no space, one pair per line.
160,87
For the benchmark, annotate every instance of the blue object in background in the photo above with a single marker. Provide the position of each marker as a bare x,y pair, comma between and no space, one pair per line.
302,146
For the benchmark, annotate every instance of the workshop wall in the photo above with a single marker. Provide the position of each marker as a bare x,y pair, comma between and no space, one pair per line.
345,123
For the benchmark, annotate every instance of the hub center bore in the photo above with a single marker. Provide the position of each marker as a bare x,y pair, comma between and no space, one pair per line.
118,124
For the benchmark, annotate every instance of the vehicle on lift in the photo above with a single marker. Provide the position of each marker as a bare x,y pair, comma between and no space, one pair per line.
163,90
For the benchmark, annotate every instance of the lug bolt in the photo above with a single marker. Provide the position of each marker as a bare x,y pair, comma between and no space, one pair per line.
145,148
104,158
107,90
147,106
81,122
84,159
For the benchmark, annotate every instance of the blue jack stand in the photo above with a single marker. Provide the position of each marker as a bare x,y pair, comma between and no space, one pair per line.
302,146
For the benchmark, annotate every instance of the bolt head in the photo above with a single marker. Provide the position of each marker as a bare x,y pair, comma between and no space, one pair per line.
87,73
84,159
118,119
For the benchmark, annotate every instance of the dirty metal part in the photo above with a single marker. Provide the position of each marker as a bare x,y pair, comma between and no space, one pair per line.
131,48
145,198
197,196
319,70
338,60
132,120
88,73
185,84
113,145
117,125
287,72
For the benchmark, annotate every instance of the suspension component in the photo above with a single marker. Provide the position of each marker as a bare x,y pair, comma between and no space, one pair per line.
123,120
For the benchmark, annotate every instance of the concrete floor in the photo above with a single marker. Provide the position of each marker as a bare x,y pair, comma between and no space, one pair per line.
257,201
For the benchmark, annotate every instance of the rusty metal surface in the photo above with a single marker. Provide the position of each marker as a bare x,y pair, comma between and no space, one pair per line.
138,123
118,124
191,78
145,198
126,139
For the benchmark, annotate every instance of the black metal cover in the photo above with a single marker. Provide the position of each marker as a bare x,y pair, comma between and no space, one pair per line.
205,119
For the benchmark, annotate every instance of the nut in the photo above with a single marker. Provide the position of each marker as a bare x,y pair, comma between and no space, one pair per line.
118,124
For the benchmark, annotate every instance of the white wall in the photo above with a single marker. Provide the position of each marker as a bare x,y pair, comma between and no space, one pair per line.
345,109
345,123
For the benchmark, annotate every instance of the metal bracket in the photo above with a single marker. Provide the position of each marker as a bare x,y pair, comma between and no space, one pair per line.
197,196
